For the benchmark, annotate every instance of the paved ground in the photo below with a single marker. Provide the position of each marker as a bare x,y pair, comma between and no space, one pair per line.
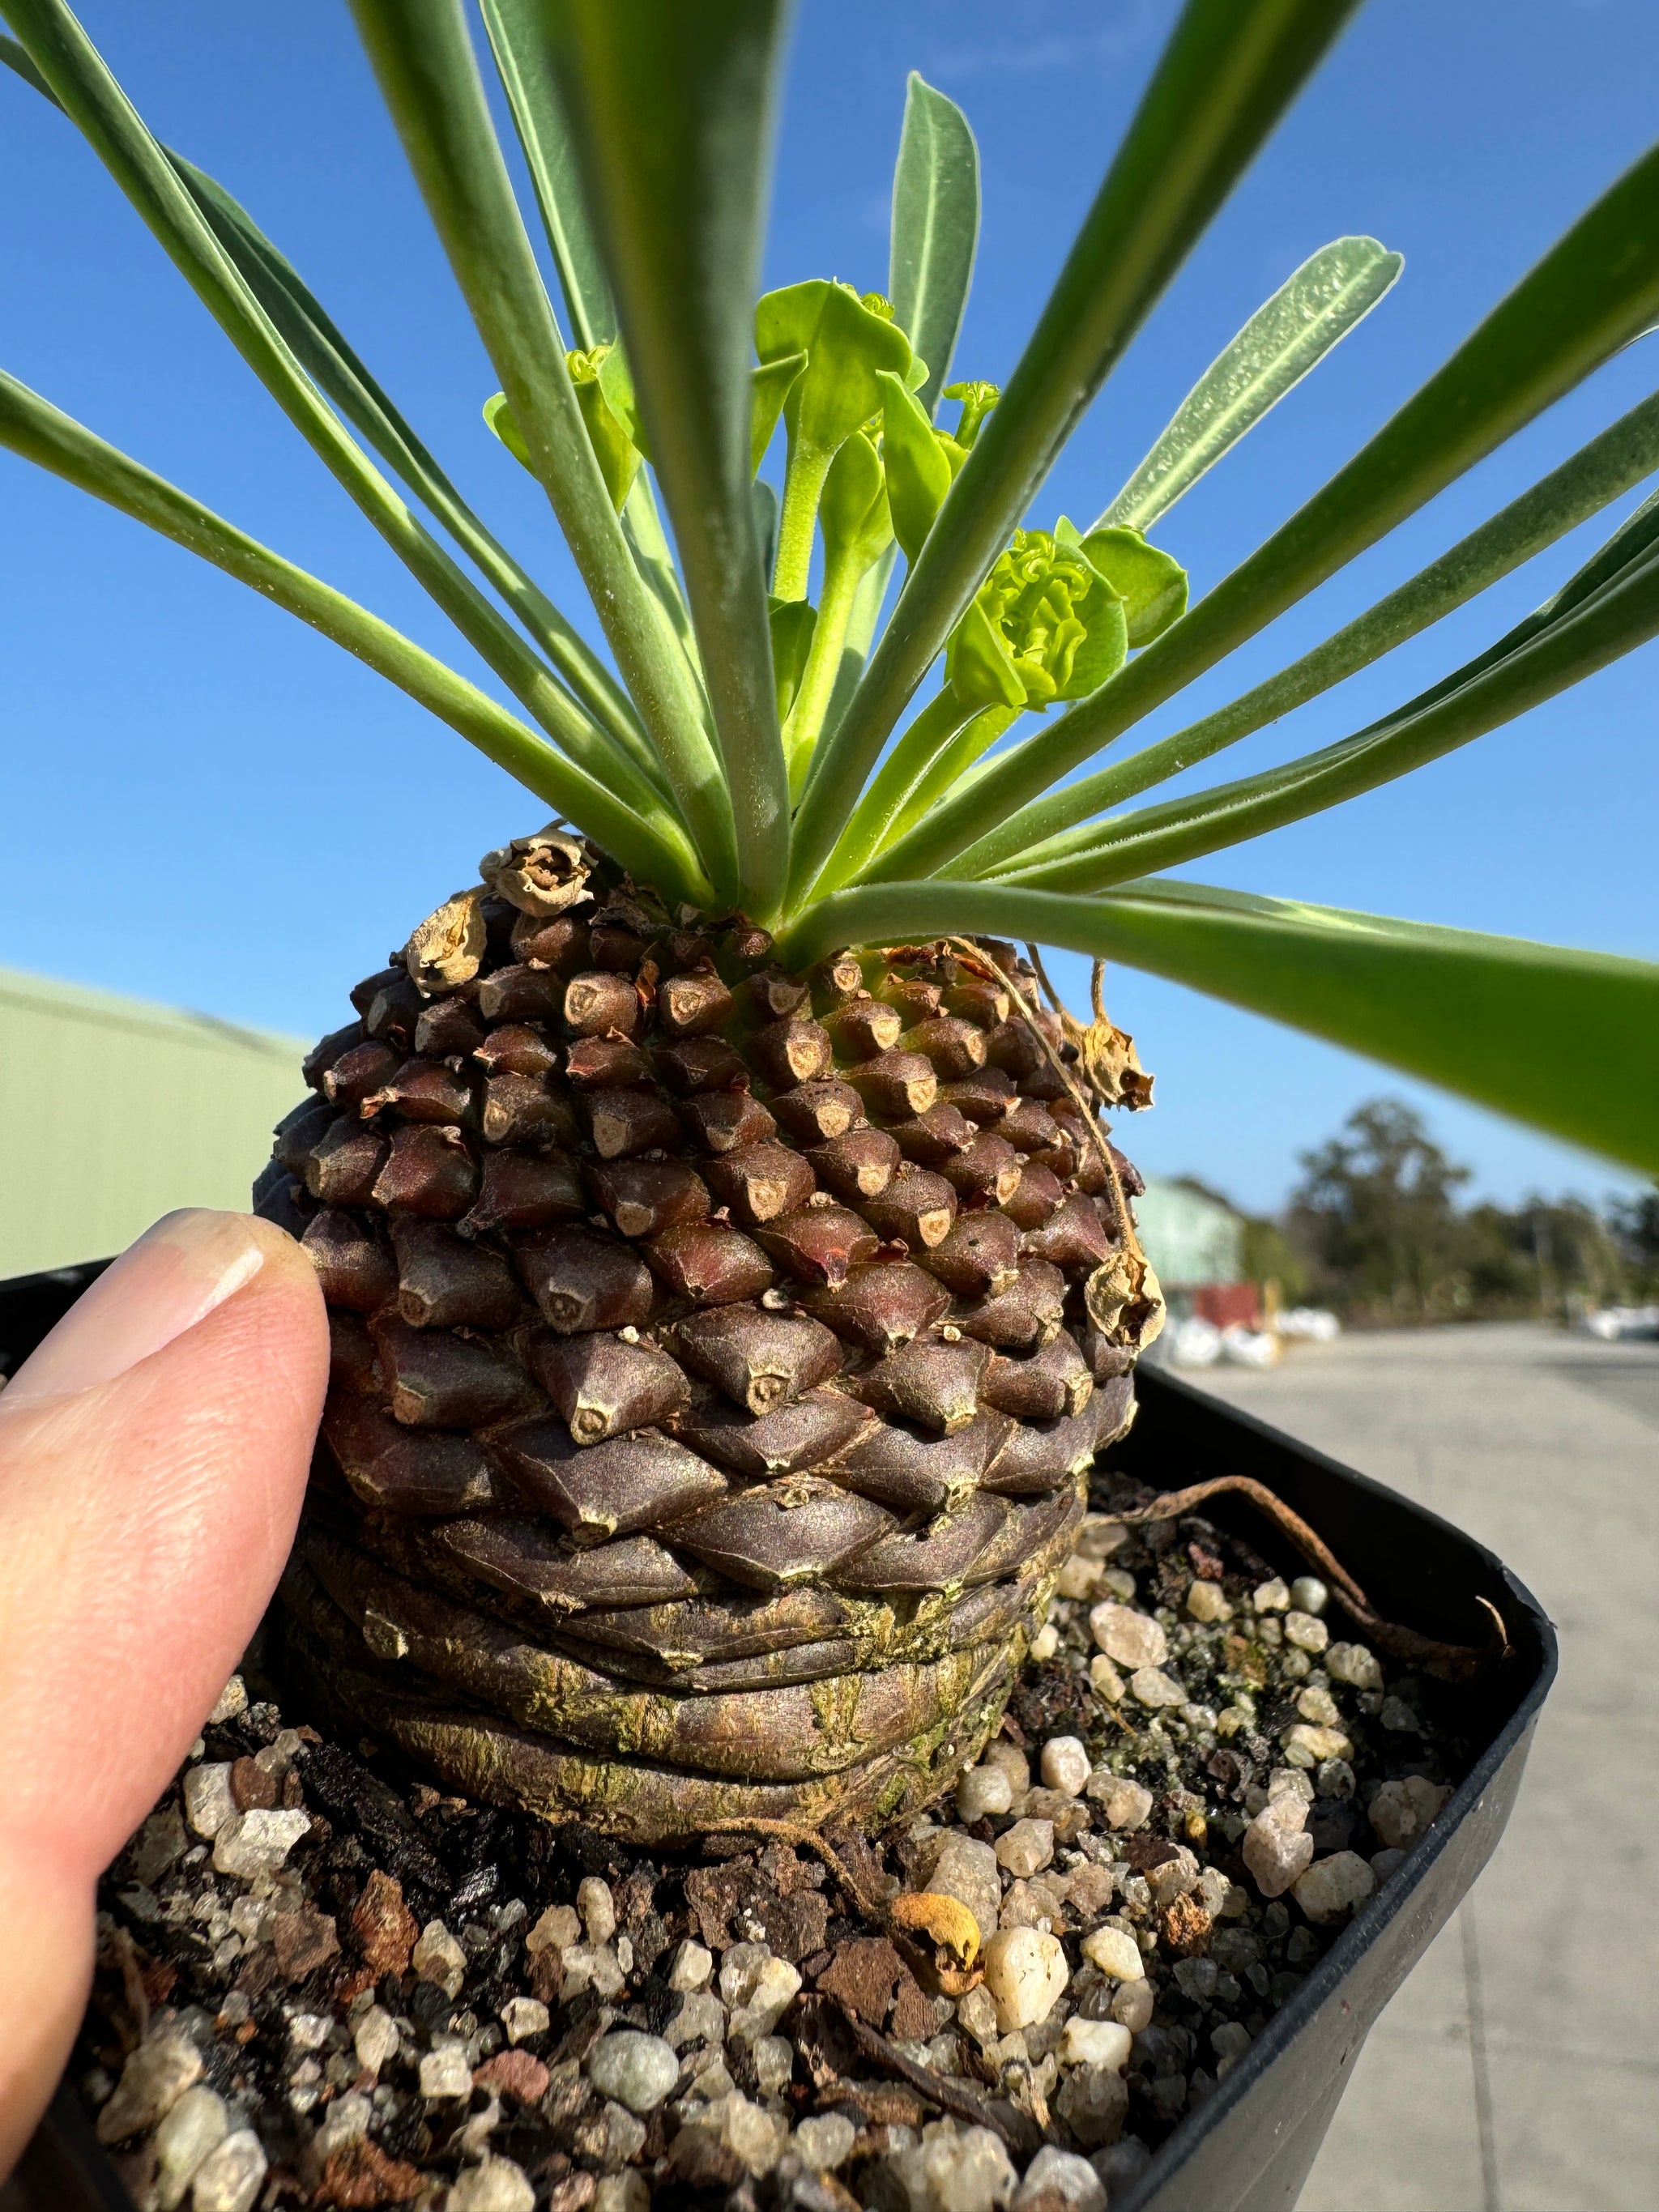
1518,2069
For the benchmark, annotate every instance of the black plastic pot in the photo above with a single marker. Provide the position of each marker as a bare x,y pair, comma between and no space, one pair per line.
1248,2149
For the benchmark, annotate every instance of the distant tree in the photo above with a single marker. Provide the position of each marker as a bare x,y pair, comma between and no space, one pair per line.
1634,1223
1542,1254
1375,1213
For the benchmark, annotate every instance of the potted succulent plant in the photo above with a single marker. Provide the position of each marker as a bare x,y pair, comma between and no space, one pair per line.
733,1279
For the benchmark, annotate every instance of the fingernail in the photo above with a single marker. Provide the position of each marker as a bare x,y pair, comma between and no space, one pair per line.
173,1276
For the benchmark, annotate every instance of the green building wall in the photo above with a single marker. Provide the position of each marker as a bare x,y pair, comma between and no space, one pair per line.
1190,1237
113,1111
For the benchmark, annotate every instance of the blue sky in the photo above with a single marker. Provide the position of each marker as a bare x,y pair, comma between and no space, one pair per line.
206,804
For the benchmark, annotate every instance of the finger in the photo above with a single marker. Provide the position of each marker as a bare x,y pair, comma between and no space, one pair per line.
153,1455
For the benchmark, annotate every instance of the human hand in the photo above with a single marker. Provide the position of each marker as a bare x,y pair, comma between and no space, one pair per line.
153,1455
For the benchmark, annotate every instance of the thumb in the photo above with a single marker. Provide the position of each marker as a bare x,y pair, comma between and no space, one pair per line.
153,1455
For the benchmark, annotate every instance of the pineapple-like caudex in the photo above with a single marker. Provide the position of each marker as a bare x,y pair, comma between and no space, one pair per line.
719,1353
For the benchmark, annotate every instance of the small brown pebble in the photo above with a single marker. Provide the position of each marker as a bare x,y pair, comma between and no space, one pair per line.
1089,1893
359,2176
302,1942
517,2074
1186,1927
863,1975
157,1977
258,1972
884,2104
701,2161
575,2192
384,1925
912,2016
251,1788
546,1975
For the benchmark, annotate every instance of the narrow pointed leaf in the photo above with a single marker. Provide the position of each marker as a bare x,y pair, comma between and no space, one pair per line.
1595,289
671,109
60,57
427,73
543,132
32,427
935,230
330,359
860,631
520,53
1229,72
1332,290
1601,472
1565,1040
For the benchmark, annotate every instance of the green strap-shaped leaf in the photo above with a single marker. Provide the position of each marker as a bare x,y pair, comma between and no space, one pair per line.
40,433
428,73
61,58
513,27
1596,289
328,356
932,729
860,629
1229,72
1332,290
671,109
935,230
1566,1041
1601,472
543,132
1546,654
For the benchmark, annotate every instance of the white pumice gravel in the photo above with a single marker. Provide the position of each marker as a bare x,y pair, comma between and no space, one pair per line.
984,1791
194,2128
692,1967
445,2073
825,2139
496,2184
256,1843
1152,1687
597,1909
1027,1846
230,2177
1095,2043
1332,1887
1207,1602
1133,1639
523,2017
1116,1952
209,1805
637,2070
1064,1765
1025,1972
1056,2176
